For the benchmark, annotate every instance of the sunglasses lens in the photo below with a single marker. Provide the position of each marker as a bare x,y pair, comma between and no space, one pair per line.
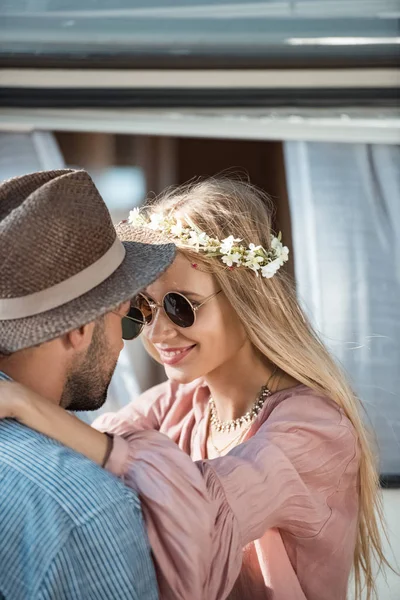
131,329
179,310
143,305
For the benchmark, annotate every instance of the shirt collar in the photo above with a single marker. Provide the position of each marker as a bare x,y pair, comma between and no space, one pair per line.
4,377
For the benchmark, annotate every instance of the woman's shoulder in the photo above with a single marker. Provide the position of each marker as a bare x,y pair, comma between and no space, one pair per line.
301,403
314,433
318,418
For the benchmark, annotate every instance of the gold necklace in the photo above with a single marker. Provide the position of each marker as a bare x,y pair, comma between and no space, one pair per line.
236,439
248,418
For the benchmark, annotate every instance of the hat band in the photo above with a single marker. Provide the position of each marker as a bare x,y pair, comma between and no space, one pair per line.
65,291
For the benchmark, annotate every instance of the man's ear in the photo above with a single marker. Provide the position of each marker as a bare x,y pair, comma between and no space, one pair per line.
79,339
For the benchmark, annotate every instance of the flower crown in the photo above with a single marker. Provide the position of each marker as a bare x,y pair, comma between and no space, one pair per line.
186,234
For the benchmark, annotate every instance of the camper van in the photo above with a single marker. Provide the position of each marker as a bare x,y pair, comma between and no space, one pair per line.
301,96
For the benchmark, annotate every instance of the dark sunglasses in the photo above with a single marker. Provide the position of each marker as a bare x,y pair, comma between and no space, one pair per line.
179,309
132,323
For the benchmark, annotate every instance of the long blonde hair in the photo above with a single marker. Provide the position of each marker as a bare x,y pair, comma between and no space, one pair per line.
277,327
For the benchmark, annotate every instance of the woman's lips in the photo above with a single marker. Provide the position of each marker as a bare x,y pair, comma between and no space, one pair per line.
172,356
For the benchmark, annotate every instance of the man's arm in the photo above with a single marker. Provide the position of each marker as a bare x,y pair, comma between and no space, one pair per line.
105,557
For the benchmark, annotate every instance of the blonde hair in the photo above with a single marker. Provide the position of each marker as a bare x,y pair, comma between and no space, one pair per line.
277,327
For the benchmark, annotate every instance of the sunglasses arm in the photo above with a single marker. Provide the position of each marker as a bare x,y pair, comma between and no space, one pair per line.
208,299
135,320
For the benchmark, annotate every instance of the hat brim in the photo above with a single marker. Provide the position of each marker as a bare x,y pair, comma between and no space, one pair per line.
145,260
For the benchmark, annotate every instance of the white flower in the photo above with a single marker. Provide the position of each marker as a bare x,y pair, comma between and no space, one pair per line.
136,219
284,257
281,252
177,229
276,244
198,239
227,244
271,268
193,241
231,259
253,261
156,221
203,239
253,247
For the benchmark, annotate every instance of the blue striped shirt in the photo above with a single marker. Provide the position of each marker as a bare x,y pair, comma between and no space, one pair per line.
68,529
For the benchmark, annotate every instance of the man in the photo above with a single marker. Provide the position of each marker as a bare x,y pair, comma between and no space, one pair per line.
68,529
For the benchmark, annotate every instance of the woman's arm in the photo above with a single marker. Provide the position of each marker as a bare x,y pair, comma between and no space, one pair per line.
34,411
194,535
30,409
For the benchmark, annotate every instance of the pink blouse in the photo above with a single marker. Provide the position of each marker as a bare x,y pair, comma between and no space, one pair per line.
275,519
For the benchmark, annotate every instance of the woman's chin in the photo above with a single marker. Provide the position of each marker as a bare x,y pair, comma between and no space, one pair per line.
180,375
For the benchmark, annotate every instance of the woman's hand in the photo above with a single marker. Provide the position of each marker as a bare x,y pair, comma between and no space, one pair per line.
22,404
15,400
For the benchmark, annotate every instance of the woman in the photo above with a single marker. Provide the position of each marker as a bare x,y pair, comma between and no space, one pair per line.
246,376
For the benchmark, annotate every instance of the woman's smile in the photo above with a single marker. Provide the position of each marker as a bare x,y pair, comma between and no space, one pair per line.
172,356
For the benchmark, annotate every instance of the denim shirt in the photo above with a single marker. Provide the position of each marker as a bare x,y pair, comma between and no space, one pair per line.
68,529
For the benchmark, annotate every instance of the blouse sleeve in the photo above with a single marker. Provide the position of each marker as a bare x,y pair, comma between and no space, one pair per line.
193,534
145,412
200,515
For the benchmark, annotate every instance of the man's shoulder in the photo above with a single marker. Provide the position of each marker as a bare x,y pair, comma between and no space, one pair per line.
45,469
68,528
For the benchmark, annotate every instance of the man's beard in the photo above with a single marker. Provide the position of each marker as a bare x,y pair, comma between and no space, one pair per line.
88,381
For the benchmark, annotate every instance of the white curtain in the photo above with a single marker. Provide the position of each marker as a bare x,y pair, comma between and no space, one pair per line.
345,209
22,153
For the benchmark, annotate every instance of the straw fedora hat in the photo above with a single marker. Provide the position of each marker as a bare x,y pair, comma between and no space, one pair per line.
62,264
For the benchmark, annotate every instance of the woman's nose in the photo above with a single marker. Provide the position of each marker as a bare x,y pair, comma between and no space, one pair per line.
160,327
